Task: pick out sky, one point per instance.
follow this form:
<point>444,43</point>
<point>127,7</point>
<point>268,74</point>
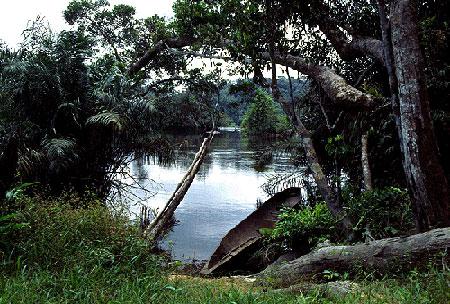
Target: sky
<point>15,14</point>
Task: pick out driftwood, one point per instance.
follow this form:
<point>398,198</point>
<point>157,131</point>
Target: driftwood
<point>162,221</point>
<point>246,235</point>
<point>381,256</point>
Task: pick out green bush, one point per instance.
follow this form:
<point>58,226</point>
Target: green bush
<point>380,213</point>
<point>310,224</point>
<point>283,123</point>
<point>375,214</point>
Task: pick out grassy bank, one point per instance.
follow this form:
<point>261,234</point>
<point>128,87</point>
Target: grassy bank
<point>61,251</point>
<point>101,285</point>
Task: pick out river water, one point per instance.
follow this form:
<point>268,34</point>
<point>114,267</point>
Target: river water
<point>224,192</point>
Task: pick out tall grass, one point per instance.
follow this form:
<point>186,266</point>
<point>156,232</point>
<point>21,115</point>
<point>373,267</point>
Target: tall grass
<point>100,285</point>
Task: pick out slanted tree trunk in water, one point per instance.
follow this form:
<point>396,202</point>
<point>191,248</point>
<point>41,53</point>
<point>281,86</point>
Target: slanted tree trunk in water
<point>163,220</point>
<point>392,254</point>
<point>367,173</point>
<point>425,176</point>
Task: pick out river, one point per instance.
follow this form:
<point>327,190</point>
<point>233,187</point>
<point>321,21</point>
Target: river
<point>224,192</point>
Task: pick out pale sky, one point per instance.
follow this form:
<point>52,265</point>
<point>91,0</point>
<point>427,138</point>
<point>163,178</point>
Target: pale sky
<point>14,14</point>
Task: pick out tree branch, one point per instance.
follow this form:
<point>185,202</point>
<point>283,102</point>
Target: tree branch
<point>333,85</point>
<point>160,46</point>
<point>348,50</point>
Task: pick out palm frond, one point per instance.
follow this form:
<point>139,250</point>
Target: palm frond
<point>30,161</point>
<point>60,152</point>
<point>106,119</point>
<point>281,181</point>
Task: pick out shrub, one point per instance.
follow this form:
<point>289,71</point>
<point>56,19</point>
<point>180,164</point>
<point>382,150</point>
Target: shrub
<point>380,213</point>
<point>375,214</point>
<point>310,224</point>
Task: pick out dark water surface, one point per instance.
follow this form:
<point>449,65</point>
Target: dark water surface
<point>224,192</point>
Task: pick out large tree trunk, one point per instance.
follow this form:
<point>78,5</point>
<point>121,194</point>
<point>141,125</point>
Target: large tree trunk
<point>381,256</point>
<point>425,177</point>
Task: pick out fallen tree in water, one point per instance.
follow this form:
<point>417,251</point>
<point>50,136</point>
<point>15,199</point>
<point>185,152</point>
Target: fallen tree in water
<point>164,219</point>
<point>380,256</point>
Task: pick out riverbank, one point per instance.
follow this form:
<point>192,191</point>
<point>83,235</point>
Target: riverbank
<point>72,250</point>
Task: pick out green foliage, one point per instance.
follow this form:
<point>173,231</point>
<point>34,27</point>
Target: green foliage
<point>380,213</point>
<point>376,214</point>
<point>18,192</point>
<point>74,110</point>
<point>372,90</point>
<point>9,224</point>
<point>61,153</point>
<point>336,147</point>
<point>236,97</point>
<point>226,121</point>
<point>181,112</point>
<point>310,224</point>
<point>283,123</point>
<point>261,118</point>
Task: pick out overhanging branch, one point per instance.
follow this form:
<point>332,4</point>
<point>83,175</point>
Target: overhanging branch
<point>335,86</point>
<point>160,46</point>
<point>348,49</point>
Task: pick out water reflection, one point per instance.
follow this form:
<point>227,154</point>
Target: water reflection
<point>224,192</point>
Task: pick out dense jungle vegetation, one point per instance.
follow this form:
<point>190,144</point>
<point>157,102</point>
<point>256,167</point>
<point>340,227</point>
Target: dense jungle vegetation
<point>358,96</point>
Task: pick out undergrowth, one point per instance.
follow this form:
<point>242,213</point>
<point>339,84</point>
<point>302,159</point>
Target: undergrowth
<point>376,214</point>
<point>59,252</point>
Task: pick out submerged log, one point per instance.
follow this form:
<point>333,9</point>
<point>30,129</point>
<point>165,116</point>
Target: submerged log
<point>381,256</point>
<point>243,238</point>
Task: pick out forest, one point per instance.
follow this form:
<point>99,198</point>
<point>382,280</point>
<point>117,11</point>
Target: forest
<point>337,112</point>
